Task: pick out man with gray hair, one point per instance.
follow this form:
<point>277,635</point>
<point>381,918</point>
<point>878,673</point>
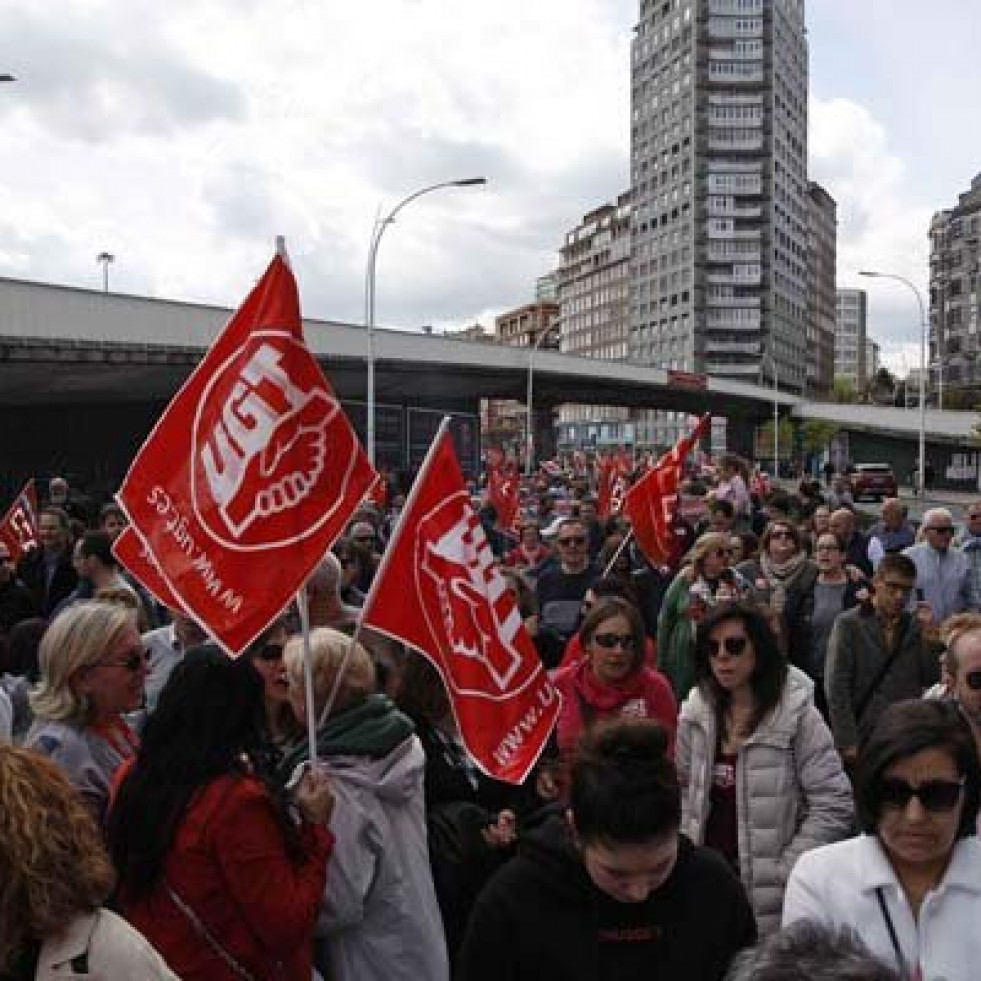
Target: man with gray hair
<point>943,572</point>
<point>327,608</point>
<point>807,951</point>
<point>962,662</point>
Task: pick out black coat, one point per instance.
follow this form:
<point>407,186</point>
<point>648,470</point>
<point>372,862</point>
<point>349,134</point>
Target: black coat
<point>16,604</point>
<point>46,596</point>
<point>541,917</point>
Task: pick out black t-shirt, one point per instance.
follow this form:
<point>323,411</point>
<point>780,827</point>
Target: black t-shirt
<point>626,939</point>
<point>24,965</point>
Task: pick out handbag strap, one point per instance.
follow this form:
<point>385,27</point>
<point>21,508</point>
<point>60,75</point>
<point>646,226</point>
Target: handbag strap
<point>897,645</point>
<point>205,934</point>
<point>897,950</point>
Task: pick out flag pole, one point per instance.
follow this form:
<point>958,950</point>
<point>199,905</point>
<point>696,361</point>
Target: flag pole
<point>616,554</point>
<point>386,557</point>
<point>304,608</point>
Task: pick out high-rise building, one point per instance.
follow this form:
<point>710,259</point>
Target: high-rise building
<point>718,279</point>
<point>851,327</point>
<point>822,258</point>
<point>955,268</point>
<point>873,360</point>
<point>593,270</point>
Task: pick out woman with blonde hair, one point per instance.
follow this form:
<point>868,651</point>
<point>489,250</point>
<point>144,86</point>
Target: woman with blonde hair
<point>380,920</point>
<point>54,877</point>
<point>93,670</point>
<point>705,580</point>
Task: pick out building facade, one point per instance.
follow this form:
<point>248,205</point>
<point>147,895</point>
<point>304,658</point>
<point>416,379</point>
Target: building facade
<point>593,315</point>
<point>719,235</point>
<point>851,327</point>
<point>955,266</point>
<point>873,359</point>
<point>822,259</point>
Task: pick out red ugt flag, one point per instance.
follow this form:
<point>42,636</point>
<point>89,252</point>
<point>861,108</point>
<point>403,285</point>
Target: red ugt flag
<point>439,590</point>
<point>651,502</point>
<point>18,530</point>
<point>251,473</point>
<point>502,490</point>
<point>134,556</point>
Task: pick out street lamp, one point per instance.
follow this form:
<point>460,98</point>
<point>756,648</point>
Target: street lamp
<point>529,414</point>
<point>776,416</point>
<point>369,289</point>
<point>7,78</point>
<point>921,468</point>
<point>105,258</point>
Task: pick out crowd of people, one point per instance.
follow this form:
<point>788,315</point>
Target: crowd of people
<point>766,756</point>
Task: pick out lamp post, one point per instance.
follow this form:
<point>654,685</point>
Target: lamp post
<point>7,78</point>
<point>369,290</point>
<point>921,466</point>
<point>105,258</point>
<point>776,417</point>
<point>529,413</point>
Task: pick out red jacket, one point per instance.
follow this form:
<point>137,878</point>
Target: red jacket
<point>229,865</point>
<point>586,699</point>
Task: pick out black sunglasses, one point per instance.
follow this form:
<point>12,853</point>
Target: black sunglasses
<point>734,646</point>
<point>973,679</point>
<point>936,796</point>
<point>942,529</point>
<point>270,652</point>
<point>609,641</point>
<point>573,540</point>
<point>132,662</point>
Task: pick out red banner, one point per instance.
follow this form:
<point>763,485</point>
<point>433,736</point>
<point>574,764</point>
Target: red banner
<point>652,502</point>
<point>251,473</point>
<point>18,530</point>
<point>440,591</point>
<point>503,493</point>
<point>135,557</point>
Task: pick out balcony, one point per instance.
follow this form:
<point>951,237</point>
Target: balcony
<point>715,321</point>
<point>733,347</point>
<point>730,279</point>
<point>750,369</point>
<point>733,302</point>
<point>749,145</point>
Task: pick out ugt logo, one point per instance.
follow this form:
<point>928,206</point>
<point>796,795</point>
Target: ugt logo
<point>473,616</point>
<point>263,447</point>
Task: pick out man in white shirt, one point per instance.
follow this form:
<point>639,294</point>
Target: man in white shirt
<point>165,646</point>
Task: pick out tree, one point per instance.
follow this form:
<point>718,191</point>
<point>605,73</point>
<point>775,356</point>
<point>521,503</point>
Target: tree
<point>843,390</point>
<point>764,441</point>
<point>816,435</point>
<point>882,388</point>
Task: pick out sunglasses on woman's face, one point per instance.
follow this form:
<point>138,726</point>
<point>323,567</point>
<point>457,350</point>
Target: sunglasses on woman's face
<point>132,662</point>
<point>936,796</point>
<point>734,646</point>
<point>609,641</point>
<point>973,679</point>
<point>271,652</point>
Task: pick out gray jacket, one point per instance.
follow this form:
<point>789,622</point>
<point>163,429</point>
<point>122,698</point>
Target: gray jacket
<point>791,792</point>
<point>946,579</point>
<point>857,651</point>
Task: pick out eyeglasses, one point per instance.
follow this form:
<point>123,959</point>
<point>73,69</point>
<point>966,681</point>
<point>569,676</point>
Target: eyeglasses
<point>781,533</point>
<point>270,652</point>
<point>942,529</point>
<point>936,796</point>
<point>973,679</point>
<point>734,646</point>
<point>721,553</point>
<point>827,548</point>
<point>573,540</point>
<point>132,662</point>
<point>609,641</point>
<point>363,538</point>
<point>5,559</point>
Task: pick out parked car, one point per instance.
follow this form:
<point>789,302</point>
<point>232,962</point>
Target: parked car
<point>874,480</point>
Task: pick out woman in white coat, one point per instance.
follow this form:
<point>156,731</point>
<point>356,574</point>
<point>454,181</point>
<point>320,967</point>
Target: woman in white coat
<point>761,780</point>
<point>911,885</point>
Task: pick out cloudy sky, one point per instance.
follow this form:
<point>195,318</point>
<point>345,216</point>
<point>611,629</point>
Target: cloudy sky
<point>182,137</point>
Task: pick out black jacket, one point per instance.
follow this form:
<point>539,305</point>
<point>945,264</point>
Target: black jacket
<point>47,596</point>
<point>541,918</point>
<point>16,604</point>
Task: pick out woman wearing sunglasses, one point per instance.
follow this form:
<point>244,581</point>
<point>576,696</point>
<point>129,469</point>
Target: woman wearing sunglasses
<point>761,780</point>
<point>911,884</point>
<point>266,655</point>
<point>611,680</point>
<point>93,670</point>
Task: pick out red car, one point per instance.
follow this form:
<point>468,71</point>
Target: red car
<point>875,480</point>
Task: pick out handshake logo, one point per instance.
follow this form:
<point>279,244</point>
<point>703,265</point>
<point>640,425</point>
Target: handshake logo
<point>263,441</point>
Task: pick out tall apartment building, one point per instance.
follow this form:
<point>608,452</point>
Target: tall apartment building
<point>718,279</point>
<point>593,286</point>
<point>851,333</point>
<point>822,258</point>
<point>873,358</point>
<point>955,267</point>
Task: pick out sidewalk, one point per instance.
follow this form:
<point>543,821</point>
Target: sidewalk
<point>939,497</point>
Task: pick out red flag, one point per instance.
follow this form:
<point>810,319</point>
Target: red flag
<point>134,556</point>
<point>379,493</point>
<point>251,473</point>
<point>440,591</point>
<point>502,491</point>
<point>652,502</point>
<point>18,530</point>
<point>604,491</point>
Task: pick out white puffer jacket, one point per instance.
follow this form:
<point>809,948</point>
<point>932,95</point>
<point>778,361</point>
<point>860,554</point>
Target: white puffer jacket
<point>791,791</point>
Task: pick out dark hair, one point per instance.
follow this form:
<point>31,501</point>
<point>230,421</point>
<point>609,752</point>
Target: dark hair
<point>751,544</point>
<point>624,785</point>
<point>724,507</point>
<point>23,642</point>
<point>780,500</point>
<point>906,728</point>
<point>111,510</point>
<point>898,564</point>
<point>769,674</point>
<point>607,586</point>
<point>97,545</point>
<point>606,609</point>
<point>422,694</point>
<point>208,723</point>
